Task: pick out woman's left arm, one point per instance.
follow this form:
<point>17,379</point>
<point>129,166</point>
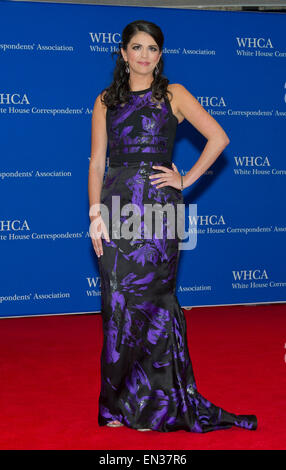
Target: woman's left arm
<point>217,139</point>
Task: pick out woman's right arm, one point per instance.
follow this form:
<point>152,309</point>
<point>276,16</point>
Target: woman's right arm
<point>97,163</point>
<point>98,152</point>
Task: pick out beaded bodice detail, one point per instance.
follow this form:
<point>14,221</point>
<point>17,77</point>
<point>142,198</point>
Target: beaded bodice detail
<point>142,128</point>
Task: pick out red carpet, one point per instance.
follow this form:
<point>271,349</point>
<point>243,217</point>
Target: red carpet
<point>50,381</point>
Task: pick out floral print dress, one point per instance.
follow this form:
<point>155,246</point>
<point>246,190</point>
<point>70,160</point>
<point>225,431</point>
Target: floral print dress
<point>147,379</point>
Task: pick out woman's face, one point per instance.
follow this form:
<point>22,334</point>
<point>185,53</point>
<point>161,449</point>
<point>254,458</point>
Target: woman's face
<point>142,53</point>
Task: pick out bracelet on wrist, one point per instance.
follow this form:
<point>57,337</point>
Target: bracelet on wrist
<point>182,182</point>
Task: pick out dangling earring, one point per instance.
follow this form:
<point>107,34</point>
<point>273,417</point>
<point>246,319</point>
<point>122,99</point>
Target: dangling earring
<point>127,67</point>
<point>156,71</point>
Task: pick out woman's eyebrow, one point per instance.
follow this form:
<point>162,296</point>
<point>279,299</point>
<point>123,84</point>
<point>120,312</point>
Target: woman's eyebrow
<point>138,43</point>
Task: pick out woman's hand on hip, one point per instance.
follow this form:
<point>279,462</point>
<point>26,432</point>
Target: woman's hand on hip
<point>168,178</point>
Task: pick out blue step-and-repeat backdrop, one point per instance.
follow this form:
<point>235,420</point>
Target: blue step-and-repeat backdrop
<point>55,59</point>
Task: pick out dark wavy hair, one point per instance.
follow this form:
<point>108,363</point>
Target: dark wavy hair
<point>119,90</point>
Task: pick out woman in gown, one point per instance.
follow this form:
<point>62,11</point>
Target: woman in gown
<point>147,379</point>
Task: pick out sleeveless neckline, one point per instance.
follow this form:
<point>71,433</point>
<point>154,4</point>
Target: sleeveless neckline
<point>143,130</point>
<point>140,91</point>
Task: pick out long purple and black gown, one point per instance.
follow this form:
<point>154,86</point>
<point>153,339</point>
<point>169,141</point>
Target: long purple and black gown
<point>147,379</point>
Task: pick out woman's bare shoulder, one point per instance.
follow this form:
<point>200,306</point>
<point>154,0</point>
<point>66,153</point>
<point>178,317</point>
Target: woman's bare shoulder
<point>99,105</point>
<point>177,88</point>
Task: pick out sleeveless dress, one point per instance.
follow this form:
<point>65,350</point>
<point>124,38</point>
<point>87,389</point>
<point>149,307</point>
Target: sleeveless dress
<point>147,379</point>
